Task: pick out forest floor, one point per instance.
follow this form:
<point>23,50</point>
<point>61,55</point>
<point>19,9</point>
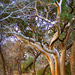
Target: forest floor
<point>38,67</point>
<point>30,72</point>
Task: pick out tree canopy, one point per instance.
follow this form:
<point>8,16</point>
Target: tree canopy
<point>46,25</point>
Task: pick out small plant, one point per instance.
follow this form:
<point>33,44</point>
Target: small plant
<point>68,71</point>
<point>30,58</point>
<point>43,58</point>
<point>48,69</point>
<point>25,64</point>
<point>0,63</point>
<point>48,74</point>
<point>10,65</point>
<point>28,70</point>
<point>40,72</point>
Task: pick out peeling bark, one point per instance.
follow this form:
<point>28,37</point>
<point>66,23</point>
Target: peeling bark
<point>62,61</point>
<point>72,59</point>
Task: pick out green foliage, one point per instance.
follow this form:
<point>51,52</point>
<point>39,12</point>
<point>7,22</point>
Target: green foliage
<point>65,14</point>
<point>24,23</point>
<point>72,34</point>
<point>10,65</point>
<point>51,33</point>
<point>40,8</point>
<point>7,35</point>
<point>62,35</point>
<point>68,71</point>
<point>32,74</point>
<point>3,15</point>
<point>63,4</point>
<point>28,70</point>
<point>11,19</point>
<point>48,69</point>
<point>30,58</point>
<point>40,72</point>
<point>48,74</point>
<point>27,63</point>
<point>36,64</point>
<point>43,58</point>
<point>5,1</point>
<point>51,1</point>
<point>6,60</point>
<point>58,0</point>
<point>27,33</point>
<point>0,63</point>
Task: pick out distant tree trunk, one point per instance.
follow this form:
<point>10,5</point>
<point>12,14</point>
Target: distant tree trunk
<point>45,69</point>
<point>3,62</point>
<point>72,59</point>
<point>19,67</point>
<point>34,63</point>
<point>2,58</point>
<point>27,67</point>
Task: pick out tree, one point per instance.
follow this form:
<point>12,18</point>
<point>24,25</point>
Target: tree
<point>72,61</point>
<point>1,54</point>
<point>2,58</point>
<point>34,21</point>
<point>13,54</point>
